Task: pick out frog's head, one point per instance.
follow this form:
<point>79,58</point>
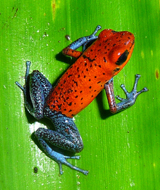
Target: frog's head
<point>118,48</point>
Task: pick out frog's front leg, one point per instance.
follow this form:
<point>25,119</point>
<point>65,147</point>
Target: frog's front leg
<point>84,41</point>
<point>36,88</point>
<point>125,103</point>
<point>65,136</point>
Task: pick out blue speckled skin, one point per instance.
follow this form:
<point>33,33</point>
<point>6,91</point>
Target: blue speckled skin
<point>66,135</point>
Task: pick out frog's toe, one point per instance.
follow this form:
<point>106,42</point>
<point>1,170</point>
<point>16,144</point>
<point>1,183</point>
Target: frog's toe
<point>62,160</point>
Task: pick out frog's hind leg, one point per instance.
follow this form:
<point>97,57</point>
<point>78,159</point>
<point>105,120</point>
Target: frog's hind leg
<point>66,137</point>
<point>60,158</point>
<point>36,89</point>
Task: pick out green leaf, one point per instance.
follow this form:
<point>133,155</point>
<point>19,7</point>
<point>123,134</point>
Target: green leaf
<point>121,151</point>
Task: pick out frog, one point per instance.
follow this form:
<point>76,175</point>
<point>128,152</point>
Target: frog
<point>102,57</point>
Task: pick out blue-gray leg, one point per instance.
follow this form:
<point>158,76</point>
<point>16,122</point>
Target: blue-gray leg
<point>65,136</point>
<point>84,42</point>
<point>125,103</point>
<point>60,158</point>
<point>36,88</point>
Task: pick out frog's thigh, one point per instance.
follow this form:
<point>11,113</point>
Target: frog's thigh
<point>65,136</point>
<point>58,140</point>
<point>40,83</point>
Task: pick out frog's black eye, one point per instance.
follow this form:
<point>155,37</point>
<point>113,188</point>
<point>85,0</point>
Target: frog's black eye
<point>122,58</point>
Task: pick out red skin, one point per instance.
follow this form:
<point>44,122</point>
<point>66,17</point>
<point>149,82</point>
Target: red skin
<point>84,80</point>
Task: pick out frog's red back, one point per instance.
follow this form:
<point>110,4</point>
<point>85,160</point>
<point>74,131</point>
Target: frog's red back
<point>83,81</point>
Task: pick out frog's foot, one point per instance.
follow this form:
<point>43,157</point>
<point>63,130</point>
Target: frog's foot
<point>96,30</point>
<point>59,157</point>
<point>28,63</point>
<point>130,96</point>
<point>91,38</point>
<point>62,160</point>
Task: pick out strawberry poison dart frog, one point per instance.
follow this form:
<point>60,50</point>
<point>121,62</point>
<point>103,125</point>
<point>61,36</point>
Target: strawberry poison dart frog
<point>102,58</point>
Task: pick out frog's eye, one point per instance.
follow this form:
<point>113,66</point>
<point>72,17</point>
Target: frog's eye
<point>122,58</point>
<point>118,55</point>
